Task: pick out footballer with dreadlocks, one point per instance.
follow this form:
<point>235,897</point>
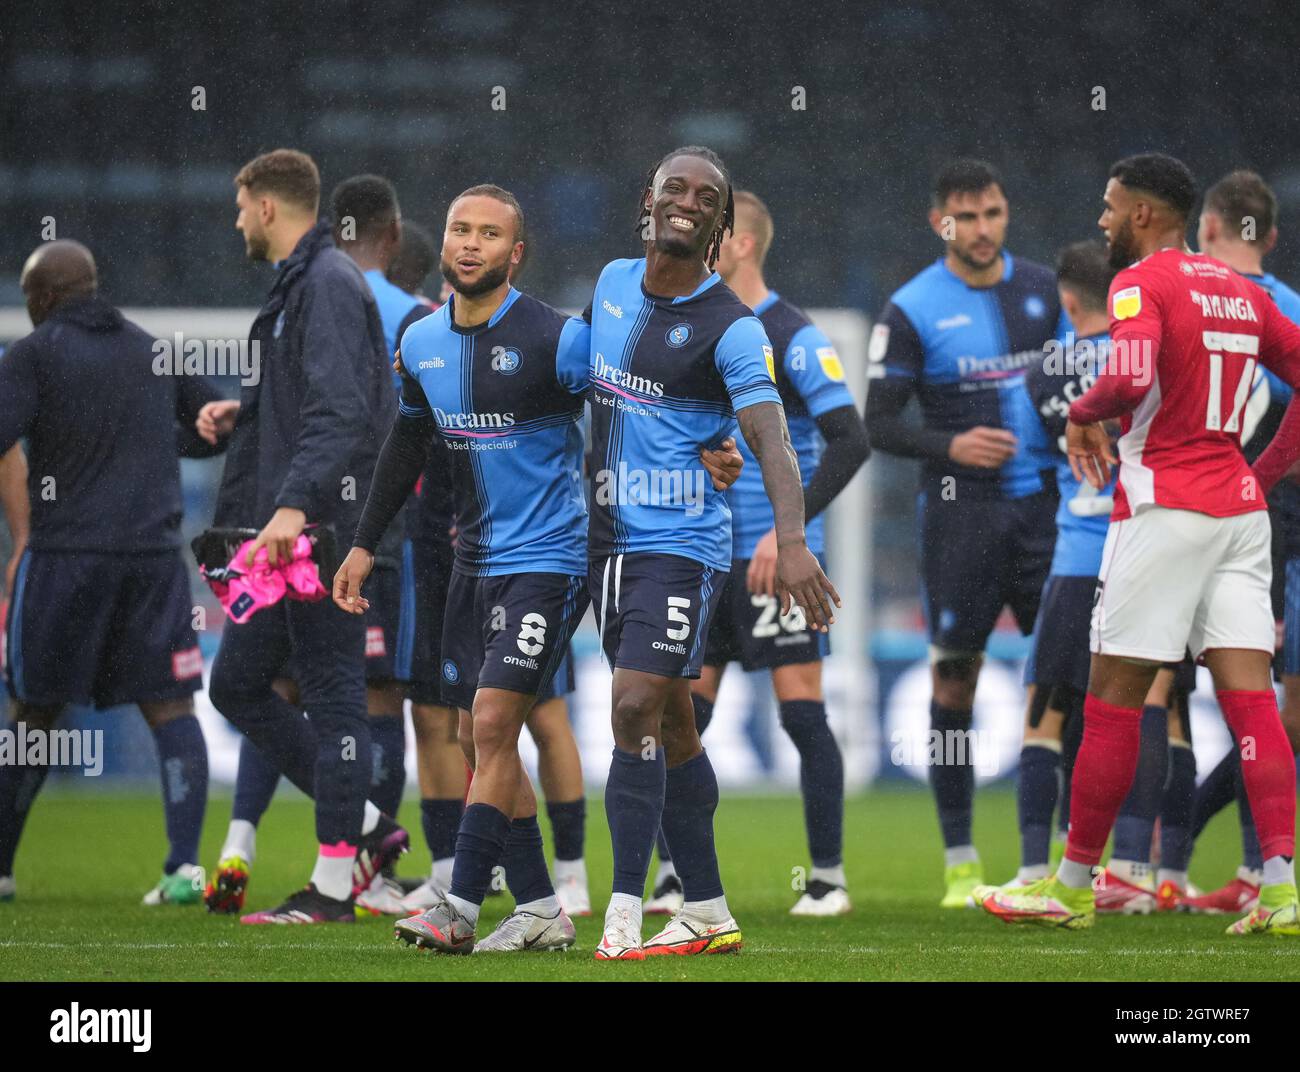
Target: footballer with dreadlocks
<point>676,361</point>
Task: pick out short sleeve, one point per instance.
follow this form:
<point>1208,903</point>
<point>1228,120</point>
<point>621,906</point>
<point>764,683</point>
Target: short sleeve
<point>813,367</point>
<point>573,355</point>
<point>744,360</point>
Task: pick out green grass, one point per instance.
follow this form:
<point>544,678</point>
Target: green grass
<point>87,859</point>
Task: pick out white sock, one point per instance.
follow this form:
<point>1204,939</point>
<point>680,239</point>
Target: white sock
<point>1250,874</point>
<point>961,854</point>
<point>714,910</point>
<point>832,876</point>
<point>468,909</point>
<point>1178,878</point>
<point>576,869</point>
<point>440,874</point>
<point>1033,874</point>
<point>241,840</point>
<point>332,876</point>
<point>666,871</point>
<point>369,818</point>
<point>1075,875</point>
<point>1135,872</point>
<point>1278,870</point>
<point>543,906</point>
<point>620,902</point>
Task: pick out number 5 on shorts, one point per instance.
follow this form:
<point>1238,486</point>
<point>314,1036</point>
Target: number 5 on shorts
<point>675,606</point>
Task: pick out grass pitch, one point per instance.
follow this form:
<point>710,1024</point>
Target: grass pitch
<point>87,859</point>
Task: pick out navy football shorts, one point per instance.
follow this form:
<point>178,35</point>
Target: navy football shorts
<point>654,611</point>
<point>1060,654</point>
<point>101,628</point>
<point>565,681</point>
<point>1290,654</point>
<point>428,560</point>
<point>978,556</point>
<point>389,624</point>
<point>508,632</point>
<point>750,629</point>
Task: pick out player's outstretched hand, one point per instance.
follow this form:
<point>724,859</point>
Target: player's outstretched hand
<point>349,579</point>
<point>278,537</point>
<point>761,578</point>
<point>723,463</point>
<point>799,579</point>
<point>1088,448</point>
<point>982,447</point>
<point>216,420</point>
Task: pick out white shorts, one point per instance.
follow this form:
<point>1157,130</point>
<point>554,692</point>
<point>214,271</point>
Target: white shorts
<point>1176,579</point>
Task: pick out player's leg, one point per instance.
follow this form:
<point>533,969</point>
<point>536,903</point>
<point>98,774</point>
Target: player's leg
<point>1172,887</point>
<point>442,772</point>
<point>1038,783</point>
<point>19,784</point>
<point>183,765</point>
<point>798,689</point>
<point>1127,884</point>
<point>1132,634</point>
<point>256,779</point>
<point>151,658</point>
<point>533,614</point>
<point>559,770</point>
<point>666,892</point>
<point>389,629</point>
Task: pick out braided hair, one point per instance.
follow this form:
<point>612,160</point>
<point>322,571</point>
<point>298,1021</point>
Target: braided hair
<point>725,225</point>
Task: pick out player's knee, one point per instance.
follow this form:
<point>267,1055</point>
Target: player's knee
<point>955,678</point>
<point>494,731</point>
<point>802,719</point>
<point>636,714</point>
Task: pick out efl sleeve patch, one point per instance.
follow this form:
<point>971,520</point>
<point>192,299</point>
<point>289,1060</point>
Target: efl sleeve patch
<point>879,344</point>
<point>830,363</point>
<point>771,363</point>
<point>1127,303</point>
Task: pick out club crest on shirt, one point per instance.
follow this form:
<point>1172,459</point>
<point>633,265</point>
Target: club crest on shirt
<point>506,360</point>
<point>678,335</point>
<point>1127,303</point>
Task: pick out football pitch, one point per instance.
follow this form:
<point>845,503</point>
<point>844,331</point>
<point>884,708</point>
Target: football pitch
<point>87,859</point>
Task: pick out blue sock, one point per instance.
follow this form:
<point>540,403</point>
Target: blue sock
<point>1176,810</point>
<point>1251,856</point>
<point>1137,815</point>
<point>440,819</point>
<point>255,780</point>
<point>953,784</point>
<point>387,762</point>
<point>1071,739</point>
<point>1215,793</point>
<point>690,799</point>
<point>634,804</point>
<point>821,779</point>
<point>661,846</point>
<point>183,761</point>
<point>18,788</point>
<point>703,713</point>
<point>480,845</point>
<point>1037,789</point>
<point>568,827</point>
<point>525,862</point>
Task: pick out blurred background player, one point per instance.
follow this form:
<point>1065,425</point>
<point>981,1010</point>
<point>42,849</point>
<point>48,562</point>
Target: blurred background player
<point>302,448</point>
<point>416,257</point>
<point>1189,525</point>
<point>959,337</point>
<point>1238,226</point>
<point>490,381</point>
<point>676,359</point>
<point>831,441</point>
<point>100,610</point>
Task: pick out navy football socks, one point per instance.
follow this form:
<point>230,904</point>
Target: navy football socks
<point>480,844</point>
<point>1137,815</point>
<point>388,762</point>
<point>821,778</point>
<point>953,784</point>
<point>634,804</point>
<point>183,764</point>
<point>690,799</point>
<point>1037,789</point>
